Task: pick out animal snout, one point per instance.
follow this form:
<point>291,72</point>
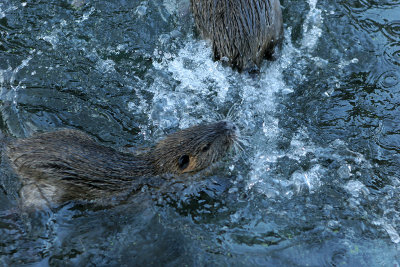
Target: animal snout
<point>230,126</point>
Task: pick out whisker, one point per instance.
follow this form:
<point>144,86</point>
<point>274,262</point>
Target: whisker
<point>244,143</point>
<point>242,154</point>
<point>244,137</point>
<point>238,145</point>
<point>234,150</point>
<point>230,111</point>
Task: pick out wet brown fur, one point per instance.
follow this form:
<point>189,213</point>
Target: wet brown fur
<point>64,165</point>
<point>243,31</point>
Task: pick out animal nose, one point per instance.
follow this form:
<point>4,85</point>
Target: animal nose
<point>230,126</point>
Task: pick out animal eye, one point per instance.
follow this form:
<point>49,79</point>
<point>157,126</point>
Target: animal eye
<point>206,147</point>
<point>183,162</point>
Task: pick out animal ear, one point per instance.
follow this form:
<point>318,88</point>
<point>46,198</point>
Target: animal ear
<point>183,162</point>
<point>206,147</point>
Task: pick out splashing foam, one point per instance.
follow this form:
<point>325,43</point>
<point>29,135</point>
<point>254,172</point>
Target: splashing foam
<point>196,72</point>
<point>4,10</point>
<point>202,87</point>
<point>391,231</point>
<point>8,76</point>
<point>196,87</point>
<point>312,26</point>
<point>262,101</point>
<point>105,66</point>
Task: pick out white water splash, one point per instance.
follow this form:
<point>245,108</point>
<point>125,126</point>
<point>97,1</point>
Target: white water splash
<point>310,179</point>
<point>9,75</point>
<point>141,9</point>
<point>51,38</point>
<point>356,188</point>
<point>177,6</point>
<point>312,26</point>
<point>203,85</point>
<point>10,93</point>
<point>262,102</point>
<point>196,71</point>
<point>105,66</point>
<point>391,231</point>
<point>86,15</point>
<point>4,10</point>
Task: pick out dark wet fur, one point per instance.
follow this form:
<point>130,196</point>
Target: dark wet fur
<point>243,31</point>
<point>68,164</point>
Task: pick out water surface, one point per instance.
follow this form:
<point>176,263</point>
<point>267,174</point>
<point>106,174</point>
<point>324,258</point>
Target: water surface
<point>317,184</point>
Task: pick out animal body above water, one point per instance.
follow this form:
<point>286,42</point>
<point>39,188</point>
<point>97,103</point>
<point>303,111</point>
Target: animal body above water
<point>65,165</point>
<point>242,31</point>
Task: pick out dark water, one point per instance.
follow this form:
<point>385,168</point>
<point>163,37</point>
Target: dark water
<point>318,183</point>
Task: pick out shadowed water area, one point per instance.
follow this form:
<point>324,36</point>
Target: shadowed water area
<point>318,183</point>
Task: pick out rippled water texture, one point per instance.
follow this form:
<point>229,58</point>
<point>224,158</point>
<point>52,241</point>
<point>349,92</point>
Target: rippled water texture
<point>318,183</point>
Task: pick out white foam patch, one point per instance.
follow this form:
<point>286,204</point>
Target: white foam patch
<point>105,65</point>
<point>196,71</point>
<point>261,102</point>
<point>86,15</point>
<point>301,181</point>
<point>52,38</point>
<point>4,10</point>
<point>356,188</point>
<point>310,179</point>
<point>141,10</point>
<point>391,231</point>
<point>312,26</point>
<point>8,76</point>
<point>177,7</point>
<point>262,98</point>
<point>204,85</point>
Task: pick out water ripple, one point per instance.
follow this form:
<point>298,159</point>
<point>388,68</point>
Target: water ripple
<point>389,79</point>
<point>392,53</point>
<point>392,30</point>
<point>356,7</point>
<point>369,25</point>
<point>384,2</point>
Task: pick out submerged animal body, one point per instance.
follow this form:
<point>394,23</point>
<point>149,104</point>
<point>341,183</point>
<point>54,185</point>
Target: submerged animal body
<point>65,165</point>
<point>242,31</point>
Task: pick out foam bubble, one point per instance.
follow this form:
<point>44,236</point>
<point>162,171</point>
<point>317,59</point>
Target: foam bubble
<point>309,179</point>
<point>356,188</point>
<point>260,102</point>
<point>312,26</point>
<point>4,11</point>
<point>52,38</point>
<point>391,231</point>
<point>105,65</point>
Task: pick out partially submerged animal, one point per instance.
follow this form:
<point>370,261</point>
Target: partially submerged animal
<point>241,31</point>
<point>68,164</point>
